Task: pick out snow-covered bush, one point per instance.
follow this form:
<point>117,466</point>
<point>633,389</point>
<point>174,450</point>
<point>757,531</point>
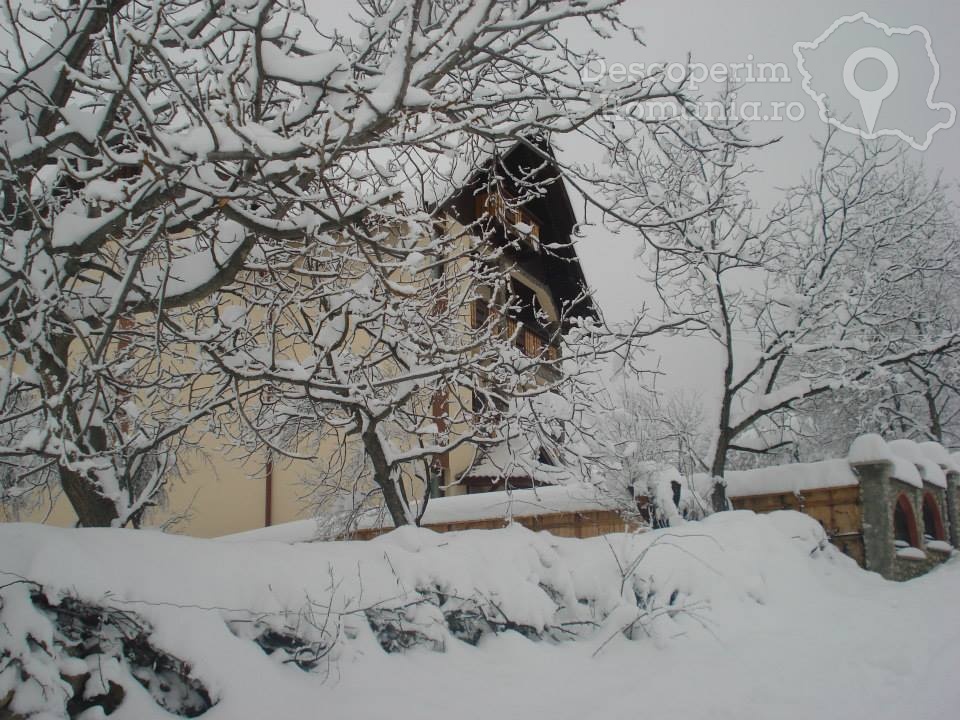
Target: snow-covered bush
<point>185,624</point>
<point>66,656</point>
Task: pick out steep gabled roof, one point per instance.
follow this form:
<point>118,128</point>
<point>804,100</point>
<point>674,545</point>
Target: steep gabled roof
<point>527,168</point>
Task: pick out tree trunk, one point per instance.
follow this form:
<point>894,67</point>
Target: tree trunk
<point>718,497</point>
<point>936,429</point>
<point>91,507</point>
<point>383,476</point>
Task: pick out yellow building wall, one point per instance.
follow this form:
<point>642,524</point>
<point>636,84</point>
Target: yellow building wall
<point>222,489</point>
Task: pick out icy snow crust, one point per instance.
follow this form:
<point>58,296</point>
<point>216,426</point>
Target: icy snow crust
<point>738,616</point>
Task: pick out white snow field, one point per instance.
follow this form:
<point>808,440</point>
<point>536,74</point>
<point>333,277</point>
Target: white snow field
<point>738,616</point>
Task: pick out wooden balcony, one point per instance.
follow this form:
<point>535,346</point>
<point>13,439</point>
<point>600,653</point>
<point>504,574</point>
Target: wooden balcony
<point>530,342</point>
<point>517,222</point>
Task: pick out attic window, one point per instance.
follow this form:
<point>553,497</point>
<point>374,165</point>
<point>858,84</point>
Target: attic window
<point>482,400</point>
<point>517,221</point>
<point>477,404</point>
<point>544,458</point>
<point>526,305</point>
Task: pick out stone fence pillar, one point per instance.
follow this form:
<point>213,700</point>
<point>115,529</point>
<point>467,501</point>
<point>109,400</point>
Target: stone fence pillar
<point>953,507</point>
<point>875,504</point>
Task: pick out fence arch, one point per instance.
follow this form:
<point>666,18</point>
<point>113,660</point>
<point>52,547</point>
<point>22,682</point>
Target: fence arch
<point>905,523</point>
<point>932,520</point>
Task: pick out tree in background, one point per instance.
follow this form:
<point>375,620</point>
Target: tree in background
<point>834,289</point>
<point>645,444</point>
<point>919,400</point>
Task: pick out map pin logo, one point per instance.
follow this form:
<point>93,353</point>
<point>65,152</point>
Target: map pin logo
<point>871,100</point>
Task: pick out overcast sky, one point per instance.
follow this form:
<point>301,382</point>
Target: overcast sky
<point>730,32</point>
<point>765,31</point>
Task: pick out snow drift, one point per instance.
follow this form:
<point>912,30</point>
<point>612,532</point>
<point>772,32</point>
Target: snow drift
<point>250,627</point>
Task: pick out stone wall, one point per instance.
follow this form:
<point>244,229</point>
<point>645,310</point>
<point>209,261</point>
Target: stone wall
<point>880,493</point>
<point>953,508</point>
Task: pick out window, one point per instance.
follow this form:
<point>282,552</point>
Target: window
<point>481,313</point>
<point>520,339</point>
<point>435,482</point>
<point>516,220</point>
<point>477,404</point>
<point>544,458</point>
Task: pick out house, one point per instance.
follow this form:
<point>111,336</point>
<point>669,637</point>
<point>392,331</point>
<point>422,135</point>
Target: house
<point>226,489</point>
<point>533,240</point>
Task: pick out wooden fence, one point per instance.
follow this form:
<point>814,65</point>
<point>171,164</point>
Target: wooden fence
<point>836,508</point>
<point>583,524</point>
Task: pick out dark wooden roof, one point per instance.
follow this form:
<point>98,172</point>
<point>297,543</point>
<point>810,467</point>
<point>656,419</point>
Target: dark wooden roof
<point>527,169</point>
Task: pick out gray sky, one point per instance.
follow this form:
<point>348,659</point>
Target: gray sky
<point>713,32</point>
<point>728,33</point>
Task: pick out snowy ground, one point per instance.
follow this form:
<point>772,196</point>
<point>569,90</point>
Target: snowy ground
<point>764,622</point>
<point>849,646</point>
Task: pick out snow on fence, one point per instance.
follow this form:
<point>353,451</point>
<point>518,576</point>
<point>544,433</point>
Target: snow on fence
<point>565,510</point>
<point>894,507</point>
<point>578,510</point>
<point>828,491</point>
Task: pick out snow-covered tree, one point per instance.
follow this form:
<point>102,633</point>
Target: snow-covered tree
<point>646,444</point>
<point>919,399</point>
<point>202,203</point>
<point>829,290</point>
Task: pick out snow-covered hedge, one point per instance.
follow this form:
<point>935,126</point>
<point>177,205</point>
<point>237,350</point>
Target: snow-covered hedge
<point>186,624</point>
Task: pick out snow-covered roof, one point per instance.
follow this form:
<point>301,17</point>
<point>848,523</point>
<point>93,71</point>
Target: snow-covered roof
<point>517,458</point>
<point>939,454</point>
<point>913,463</point>
<point>508,459</point>
<point>906,471</point>
<point>796,477</point>
<point>289,532</point>
<point>580,497</point>
<point>928,469</point>
<point>459,508</point>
